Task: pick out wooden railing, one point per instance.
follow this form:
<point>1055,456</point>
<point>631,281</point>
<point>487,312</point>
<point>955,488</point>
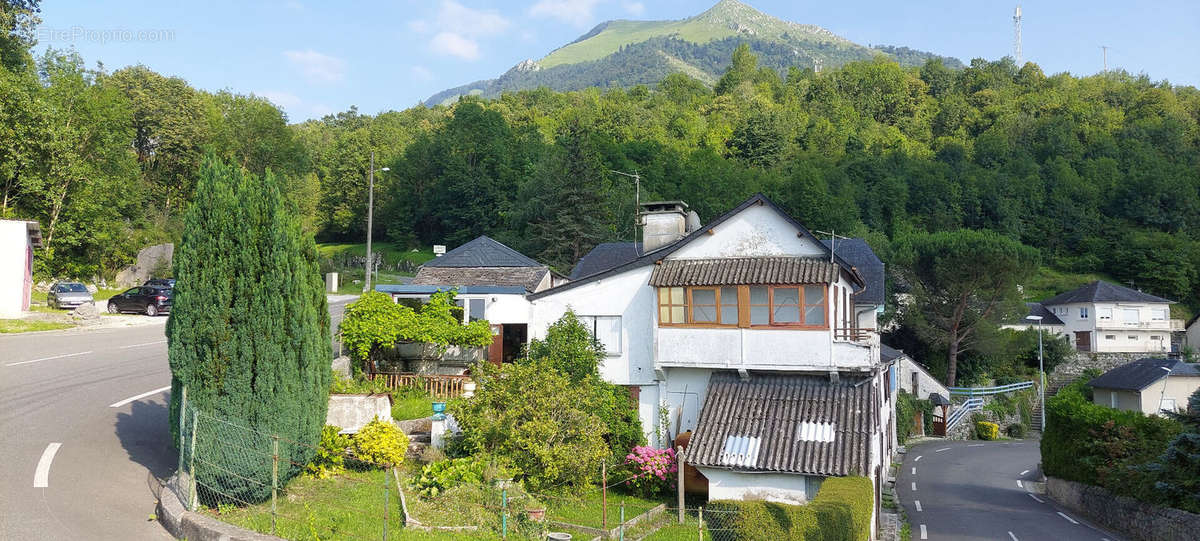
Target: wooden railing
<point>437,385</point>
<point>853,334</point>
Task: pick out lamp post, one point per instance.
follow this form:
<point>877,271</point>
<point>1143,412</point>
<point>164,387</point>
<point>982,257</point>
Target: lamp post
<point>1163,394</point>
<point>370,219</point>
<point>1041,369</point>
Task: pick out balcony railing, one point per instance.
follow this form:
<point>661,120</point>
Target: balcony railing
<point>1159,325</point>
<point>437,385</point>
<point>853,334</point>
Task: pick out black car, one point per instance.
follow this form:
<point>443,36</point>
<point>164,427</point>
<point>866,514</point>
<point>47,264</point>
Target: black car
<point>150,300</point>
<point>161,282</point>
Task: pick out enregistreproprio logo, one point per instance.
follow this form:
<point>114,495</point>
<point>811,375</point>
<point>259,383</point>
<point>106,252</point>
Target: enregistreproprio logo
<point>103,35</point>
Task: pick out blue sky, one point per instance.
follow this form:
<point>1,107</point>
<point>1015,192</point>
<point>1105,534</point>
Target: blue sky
<point>313,58</point>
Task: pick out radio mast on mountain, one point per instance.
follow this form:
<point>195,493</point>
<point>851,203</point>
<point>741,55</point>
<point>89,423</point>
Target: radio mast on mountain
<point>1017,35</point>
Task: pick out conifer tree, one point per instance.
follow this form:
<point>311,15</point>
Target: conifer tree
<point>249,330</point>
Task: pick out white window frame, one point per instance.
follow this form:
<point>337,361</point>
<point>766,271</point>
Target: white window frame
<point>592,323</point>
<point>1110,337</point>
<point>1158,314</point>
<point>1165,401</point>
<point>1112,399</point>
<point>1135,320</point>
<point>1104,313</point>
<point>1083,312</point>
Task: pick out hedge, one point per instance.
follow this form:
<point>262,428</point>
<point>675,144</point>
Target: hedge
<point>1097,445</point>
<point>840,512</point>
<point>907,405</point>
<point>985,430</point>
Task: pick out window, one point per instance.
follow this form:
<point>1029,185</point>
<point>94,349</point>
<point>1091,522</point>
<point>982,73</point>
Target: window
<point>760,305</point>
<point>1155,337</point>
<point>1110,337</point>
<point>1083,313</point>
<point>1104,313</point>
<point>1112,399</point>
<point>714,305</point>
<point>475,311</point>
<point>1131,315</point>
<point>607,330</point>
<point>1133,337</point>
<point>785,306</point>
<point>672,306</point>
<point>814,305</point>
<point>1166,404</point>
<point>1158,314</point>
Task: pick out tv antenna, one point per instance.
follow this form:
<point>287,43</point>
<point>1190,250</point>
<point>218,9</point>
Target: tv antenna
<point>1017,35</point>
<point>1104,52</point>
<point>833,238</point>
<point>637,202</point>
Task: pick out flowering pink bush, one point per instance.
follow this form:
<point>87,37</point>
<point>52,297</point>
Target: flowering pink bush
<point>651,470</point>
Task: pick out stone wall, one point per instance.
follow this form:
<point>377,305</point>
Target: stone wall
<point>1138,520</point>
<point>1067,372</point>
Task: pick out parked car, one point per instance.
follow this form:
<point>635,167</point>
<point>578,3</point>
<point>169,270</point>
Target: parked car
<point>149,300</point>
<point>68,295</point>
<point>161,282</point>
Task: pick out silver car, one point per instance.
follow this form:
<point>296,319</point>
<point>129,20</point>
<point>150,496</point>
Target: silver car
<point>68,295</point>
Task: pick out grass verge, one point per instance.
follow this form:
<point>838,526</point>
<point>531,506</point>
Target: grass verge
<point>411,407</point>
<point>587,509</point>
<point>22,325</point>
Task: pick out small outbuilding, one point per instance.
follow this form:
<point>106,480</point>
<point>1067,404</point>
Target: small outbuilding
<point>1147,385</point>
<point>18,238</point>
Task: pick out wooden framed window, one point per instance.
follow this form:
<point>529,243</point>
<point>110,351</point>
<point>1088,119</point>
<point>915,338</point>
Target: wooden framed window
<point>760,305</point>
<point>713,306</point>
<point>672,306</point>
<point>814,306</point>
<point>785,305</point>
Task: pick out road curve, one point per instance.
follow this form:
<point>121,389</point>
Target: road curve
<point>968,490</point>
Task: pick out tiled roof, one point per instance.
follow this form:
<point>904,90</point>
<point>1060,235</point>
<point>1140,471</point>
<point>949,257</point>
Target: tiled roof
<point>785,423</point>
<point>527,277</point>
<point>483,252</point>
<point>1142,373</point>
<point>605,256</point>
<point>859,254</point>
<point>1102,292</point>
<point>742,271</point>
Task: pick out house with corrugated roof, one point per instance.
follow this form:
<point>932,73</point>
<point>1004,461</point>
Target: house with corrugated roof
<point>492,281</point>
<point>748,337</point>
<point>1151,386</point>
<point>1106,318</point>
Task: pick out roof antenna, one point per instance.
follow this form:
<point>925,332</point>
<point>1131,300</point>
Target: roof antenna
<point>833,237</point>
<point>637,204</point>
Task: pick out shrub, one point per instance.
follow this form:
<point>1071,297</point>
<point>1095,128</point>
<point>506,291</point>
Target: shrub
<point>652,470</point>
<point>841,511</point>
<point>907,406</point>
<point>380,443</point>
<point>437,477</point>
<point>985,430</point>
<point>375,321</point>
<point>330,458</point>
<point>1016,430</point>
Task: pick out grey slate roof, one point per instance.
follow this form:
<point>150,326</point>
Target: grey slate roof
<point>526,277</point>
<point>859,254</point>
<point>1142,373</point>
<point>662,253</point>
<point>604,256</point>
<point>743,271</point>
<point>785,423</point>
<point>1039,309</point>
<point>888,353</point>
<point>1102,292</point>
<point>483,251</point>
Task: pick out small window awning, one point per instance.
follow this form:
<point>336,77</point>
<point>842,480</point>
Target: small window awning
<point>743,271</point>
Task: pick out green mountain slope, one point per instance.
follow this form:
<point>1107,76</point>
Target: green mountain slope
<point>626,53</point>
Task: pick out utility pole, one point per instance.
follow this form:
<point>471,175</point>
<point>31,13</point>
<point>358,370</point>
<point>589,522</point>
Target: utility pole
<point>1017,35</point>
<point>370,221</point>
<point>1104,52</point>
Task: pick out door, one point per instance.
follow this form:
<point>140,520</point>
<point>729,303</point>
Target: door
<point>939,421</point>
<point>1083,340</point>
<point>496,349</point>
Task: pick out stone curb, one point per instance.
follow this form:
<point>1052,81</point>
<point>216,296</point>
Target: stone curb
<point>184,524</point>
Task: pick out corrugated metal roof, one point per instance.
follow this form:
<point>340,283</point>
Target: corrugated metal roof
<point>527,277</point>
<point>742,271</point>
<point>785,423</point>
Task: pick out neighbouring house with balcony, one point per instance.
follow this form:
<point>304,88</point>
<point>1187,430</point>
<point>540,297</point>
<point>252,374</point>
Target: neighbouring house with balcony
<point>748,332</point>
<point>492,281</point>
<point>1107,318</point>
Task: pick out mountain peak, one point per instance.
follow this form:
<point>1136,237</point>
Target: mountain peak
<point>740,18</point>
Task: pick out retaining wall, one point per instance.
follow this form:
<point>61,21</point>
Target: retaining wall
<point>1138,520</point>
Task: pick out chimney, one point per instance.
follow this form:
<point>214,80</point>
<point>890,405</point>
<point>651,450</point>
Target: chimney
<point>663,223</point>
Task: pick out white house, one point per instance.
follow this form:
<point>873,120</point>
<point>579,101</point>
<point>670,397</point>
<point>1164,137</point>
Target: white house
<point>492,281</point>
<point>702,321</point>
<point>18,238</point>
<point>913,378</point>
<point>1150,386</point>
<point>1108,318</point>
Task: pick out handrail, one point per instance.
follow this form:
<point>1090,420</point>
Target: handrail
<point>980,391</point>
<point>974,404</point>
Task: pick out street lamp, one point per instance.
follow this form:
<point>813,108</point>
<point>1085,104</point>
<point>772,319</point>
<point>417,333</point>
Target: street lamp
<point>1041,370</point>
<point>370,219</point>
<point>1163,394</point>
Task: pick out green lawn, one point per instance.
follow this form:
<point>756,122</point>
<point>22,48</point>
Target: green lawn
<point>411,407</point>
<point>391,254</point>
<point>585,510</point>
<point>21,325</point>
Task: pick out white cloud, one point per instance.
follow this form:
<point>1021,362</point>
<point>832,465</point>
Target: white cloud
<point>421,73</point>
<point>455,45</point>
<point>576,12</point>
<point>635,8</point>
<point>316,67</point>
<point>285,100</point>
<point>472,22</point>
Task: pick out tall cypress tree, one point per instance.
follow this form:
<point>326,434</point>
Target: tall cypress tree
<point>249,330</point>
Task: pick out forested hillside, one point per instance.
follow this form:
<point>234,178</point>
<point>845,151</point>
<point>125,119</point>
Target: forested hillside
<point>1099,174</point>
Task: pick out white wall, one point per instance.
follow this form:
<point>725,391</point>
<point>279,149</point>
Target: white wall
<point>756,231</point>
<point>1144,327</point>
<point>786,488</point>
<point>926,383</point>
<point>14,241</point>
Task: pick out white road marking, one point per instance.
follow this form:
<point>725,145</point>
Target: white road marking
<point>139,397</point>
<point>914,470</point>
<point>1037,499</point>
<point>140,345</point>
<point>1024,472</point>
<point>41,476</point>
<point>1019,485</point>
<point>918,459</point>
<point>924,535</point>
<point>914,486</point>
<point>942,449</point>
<point>975,445</point>
<point>50,358</point>
<point>1061,514</point>
<point>1014,538</point>
<point>918,504</point>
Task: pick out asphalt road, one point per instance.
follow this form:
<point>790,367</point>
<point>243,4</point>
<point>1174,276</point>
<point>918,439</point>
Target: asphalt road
<point>965,490</point>
<point>83,432</point>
